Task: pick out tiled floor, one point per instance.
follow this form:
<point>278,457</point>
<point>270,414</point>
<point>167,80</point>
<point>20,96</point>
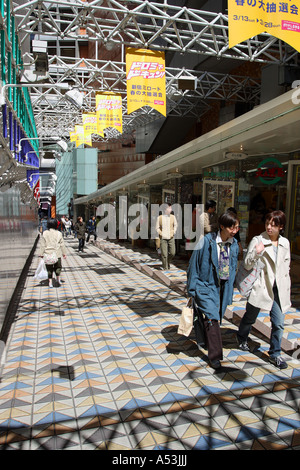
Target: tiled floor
<point>97,364</point>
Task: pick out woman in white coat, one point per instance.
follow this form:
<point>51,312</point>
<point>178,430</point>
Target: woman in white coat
<point>52,242</point>
<point>272,290</point>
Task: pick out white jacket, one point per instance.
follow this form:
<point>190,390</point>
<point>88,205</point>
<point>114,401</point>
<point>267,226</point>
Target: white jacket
<point>274,270</point>
<point>52,241</point>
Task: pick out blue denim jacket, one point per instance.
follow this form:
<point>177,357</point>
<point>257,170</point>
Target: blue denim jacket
<point>203,283</point>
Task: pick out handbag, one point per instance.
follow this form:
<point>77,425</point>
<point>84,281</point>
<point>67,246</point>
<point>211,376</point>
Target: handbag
<point>186,319</point>
<point>245,278</point>
<point>50,258</point>
<point>41,272</point>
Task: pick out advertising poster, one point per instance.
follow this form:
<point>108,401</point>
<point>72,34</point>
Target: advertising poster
<point>81,138</point>
<point>36,192</point>
<point>248,18</point>
<point>108,111</point>
<point>73,136</point>
<point>146,80</point>
<point>89,122</point>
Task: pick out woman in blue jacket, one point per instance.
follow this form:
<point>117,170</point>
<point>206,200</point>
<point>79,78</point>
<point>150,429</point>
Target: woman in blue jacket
<point>210,279</point>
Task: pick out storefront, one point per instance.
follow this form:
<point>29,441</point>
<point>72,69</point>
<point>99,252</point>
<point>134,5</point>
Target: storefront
<point>256,186</point>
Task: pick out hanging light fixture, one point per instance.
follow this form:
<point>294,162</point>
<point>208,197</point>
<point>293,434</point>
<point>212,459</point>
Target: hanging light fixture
<point>143,185</point>
<point>174,174</point>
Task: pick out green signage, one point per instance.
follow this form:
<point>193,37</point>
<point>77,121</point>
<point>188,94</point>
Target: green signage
<point>270,171</point>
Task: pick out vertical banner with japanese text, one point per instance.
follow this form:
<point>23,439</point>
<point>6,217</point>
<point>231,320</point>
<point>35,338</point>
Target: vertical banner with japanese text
<point>89,122</point>
<point>108,111</point>
<point>81,138</point>
<point>146,80</point>
<point>248,18</point>
<point>72,136</point>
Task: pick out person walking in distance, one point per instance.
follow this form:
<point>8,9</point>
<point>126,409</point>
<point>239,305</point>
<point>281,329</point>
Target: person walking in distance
<point>271,291</point>
<point>52,242</point>
<point>166,227</point>
<point>210,279</point>
<point>208,218</point>
<point>80,229</point>
<point>91,227</point>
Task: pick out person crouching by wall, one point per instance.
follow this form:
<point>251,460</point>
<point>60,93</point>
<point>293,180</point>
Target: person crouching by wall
<point>52,242</point>
<point>210,278</point>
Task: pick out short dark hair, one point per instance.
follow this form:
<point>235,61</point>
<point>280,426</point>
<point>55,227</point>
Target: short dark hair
<point>209,204</point>
<point>231,209</point>
<point>52,223</point>
<point>278,217</point>
<point>228,219</point>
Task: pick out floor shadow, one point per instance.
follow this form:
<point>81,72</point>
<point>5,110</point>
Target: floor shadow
<point>107,270</point>
<point>188,346</point>
<point>180,344</point>
<point>65,372</point>
<point>150,307</point>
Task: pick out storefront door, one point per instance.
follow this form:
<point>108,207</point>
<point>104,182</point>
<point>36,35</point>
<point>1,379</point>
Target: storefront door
<point>222,192</point>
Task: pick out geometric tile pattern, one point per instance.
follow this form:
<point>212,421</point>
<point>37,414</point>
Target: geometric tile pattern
<point>176,277</point>
<point>97,363</point>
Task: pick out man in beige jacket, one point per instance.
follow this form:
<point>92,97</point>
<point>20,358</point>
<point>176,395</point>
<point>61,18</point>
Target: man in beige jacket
<point>209,219</point>
<point>166,227</point>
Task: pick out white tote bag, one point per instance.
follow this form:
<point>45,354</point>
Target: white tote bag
<point>41,272</point>
<point>186,319</point>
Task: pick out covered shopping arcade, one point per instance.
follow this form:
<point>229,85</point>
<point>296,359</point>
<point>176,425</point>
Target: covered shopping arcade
<point>97,363</point>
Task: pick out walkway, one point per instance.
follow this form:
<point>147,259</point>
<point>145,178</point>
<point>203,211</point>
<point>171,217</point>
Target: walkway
<point>97,364</point>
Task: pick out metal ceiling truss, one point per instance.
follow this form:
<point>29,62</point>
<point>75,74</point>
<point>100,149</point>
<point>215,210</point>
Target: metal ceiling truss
<point>12,173</point>
<point>91,76</point>
<point>140,24</point>
<point>147,24</point>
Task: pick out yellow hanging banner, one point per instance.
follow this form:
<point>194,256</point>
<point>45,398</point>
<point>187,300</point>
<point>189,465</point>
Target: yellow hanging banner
<point>146,80</point>
<point>89,122</point>
<point>81,138</point>
<point>108,111</point>
<point>73,136</point>
<point>248,18</point>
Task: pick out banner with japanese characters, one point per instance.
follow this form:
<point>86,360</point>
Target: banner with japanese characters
<point>248,18</point>
<point>89,122</point>
<point>81,138</point>
<point>146,79</point>
<point>72,136</point>
<point>36,192</point>
<point>108,111</point>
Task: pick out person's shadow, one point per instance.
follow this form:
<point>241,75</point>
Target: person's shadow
<point>188,346</point>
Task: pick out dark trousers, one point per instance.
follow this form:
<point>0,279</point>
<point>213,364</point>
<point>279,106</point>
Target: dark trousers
<point>89,234</point>
<point>277,322</point>
<point>213,340</point>
<point>212,332</point>
<point>54,268</point>
<point>81,244</point>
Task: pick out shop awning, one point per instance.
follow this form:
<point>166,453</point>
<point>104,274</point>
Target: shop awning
<point>270,128</point>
